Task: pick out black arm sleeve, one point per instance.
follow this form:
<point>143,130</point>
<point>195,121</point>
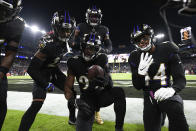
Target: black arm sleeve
<point>137,80</point>
<point>34,70</point>
<point>177,72</point>
<point>107,41</point>
<point>76,39</point>
<point>108,45</point>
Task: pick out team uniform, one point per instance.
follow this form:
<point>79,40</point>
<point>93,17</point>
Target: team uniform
<point>96,98</point>
<point>43,74</point>
<point>101,30</point>
<point>9,32</point>
<point>166,63</point>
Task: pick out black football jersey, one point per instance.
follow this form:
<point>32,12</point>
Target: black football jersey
<point>53,48</point>
<point>11,31</point>
<point>79,68</point>
<point>166,64</point>
<point>85,28</point>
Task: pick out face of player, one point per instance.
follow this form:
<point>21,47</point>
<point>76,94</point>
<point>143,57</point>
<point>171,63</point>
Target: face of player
<point>94,18</point>
<point>144,42</point>
<point>89,51</point>
<point>64,33</point>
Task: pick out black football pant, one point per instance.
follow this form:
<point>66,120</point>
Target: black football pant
<point>153,113</point>
<point>103,99</point>
<point>3,100</point>
<point>56,77</point>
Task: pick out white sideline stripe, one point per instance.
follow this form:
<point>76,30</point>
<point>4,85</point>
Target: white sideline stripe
<point>55,104</point>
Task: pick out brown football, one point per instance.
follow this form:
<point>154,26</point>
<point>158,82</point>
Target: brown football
<point>95,70</point>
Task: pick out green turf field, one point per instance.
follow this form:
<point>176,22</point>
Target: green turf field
<point>115,76</point>
<point>45,122</point>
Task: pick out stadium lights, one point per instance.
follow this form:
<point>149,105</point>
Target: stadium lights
<point>160,36</point>
<point>35,29</point>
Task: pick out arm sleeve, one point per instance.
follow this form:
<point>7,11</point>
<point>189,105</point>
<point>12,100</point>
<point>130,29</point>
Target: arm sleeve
<point>177,72</point>
<point>137,80</point>
<point>34,70</point>
<point>70,63</point>
<point>15,29</point>
<point>76,38</point>
<point>108,42</point>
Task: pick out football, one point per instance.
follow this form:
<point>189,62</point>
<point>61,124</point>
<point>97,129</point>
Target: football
<point>95,70</point>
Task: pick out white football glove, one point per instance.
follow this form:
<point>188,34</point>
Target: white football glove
<point>145,62</point>
<point>164,93</point>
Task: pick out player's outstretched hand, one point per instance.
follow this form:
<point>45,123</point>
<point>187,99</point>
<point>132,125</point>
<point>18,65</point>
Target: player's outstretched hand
<point>145,62</point>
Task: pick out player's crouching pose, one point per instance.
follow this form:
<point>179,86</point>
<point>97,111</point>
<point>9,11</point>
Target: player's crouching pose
<point>152,67</point>
<point>97,91</point>
<point>44,68</point>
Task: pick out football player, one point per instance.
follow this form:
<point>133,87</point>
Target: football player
<point>97,92</point>
<point>93,24</point>
<point>11,28</point>
<point>44,68</point>
<point>152,67</point>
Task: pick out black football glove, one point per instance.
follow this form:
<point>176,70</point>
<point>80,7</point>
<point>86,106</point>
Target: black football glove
<point>99,82</point>
<point>82,106</point>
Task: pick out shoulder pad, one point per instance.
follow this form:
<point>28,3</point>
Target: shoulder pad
<point>170,46</point>
<point>46,39</point>
<point>102,59</point>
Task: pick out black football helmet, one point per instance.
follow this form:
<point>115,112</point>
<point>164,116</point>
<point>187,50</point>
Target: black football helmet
<point>93,16</point>
<point>143,37</point>
<point>90,46</point>
<point>9,9</point>
<point>63,25</point>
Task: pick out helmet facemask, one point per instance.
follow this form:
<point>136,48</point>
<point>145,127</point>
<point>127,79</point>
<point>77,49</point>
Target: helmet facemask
<point>93,16</point>
<point>63,26</point>
<point>144,43</point>
<point>90,48</point>
<point>143,37</point>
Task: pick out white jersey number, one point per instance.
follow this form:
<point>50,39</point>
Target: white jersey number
<point>160,75</point>
<point>84,80</point>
